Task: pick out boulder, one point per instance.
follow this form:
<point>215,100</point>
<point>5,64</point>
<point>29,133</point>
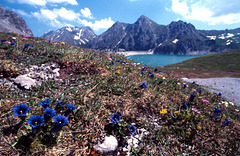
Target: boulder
<point>25,81</point>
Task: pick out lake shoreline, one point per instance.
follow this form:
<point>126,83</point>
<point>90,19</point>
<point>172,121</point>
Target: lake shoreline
<point>128,53</point>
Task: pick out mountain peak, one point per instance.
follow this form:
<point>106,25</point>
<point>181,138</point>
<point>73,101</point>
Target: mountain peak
<point>144,20</point>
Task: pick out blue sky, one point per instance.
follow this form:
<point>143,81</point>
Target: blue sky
<point>42,15</point>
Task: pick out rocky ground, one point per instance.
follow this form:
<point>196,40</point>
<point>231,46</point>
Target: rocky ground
<point>229,87</point>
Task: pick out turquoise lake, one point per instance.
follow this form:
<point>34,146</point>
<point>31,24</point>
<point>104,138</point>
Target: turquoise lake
<point>154,60</point>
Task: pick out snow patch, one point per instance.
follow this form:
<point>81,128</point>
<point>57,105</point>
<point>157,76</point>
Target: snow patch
<point>222,36</point>
<point>212,37</point>
<point>58,36</point>
<point>229,42</point>
<point>69,29</point>
<point>229,35</point>
<point>159,44</point>
<point>175,41</point>
<point>76,37</point>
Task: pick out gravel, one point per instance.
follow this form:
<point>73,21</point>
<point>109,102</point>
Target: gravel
<point>229,87</point>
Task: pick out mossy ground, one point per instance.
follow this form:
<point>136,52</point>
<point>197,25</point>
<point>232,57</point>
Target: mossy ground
<point>98,90</point>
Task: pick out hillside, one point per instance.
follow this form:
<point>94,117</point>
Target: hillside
<point>104,99</point>
<point>216,65</point>
<point>11,22</point>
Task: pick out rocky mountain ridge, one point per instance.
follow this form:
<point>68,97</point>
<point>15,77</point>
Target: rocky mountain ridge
<point>146,35</point>
<point>77,36</point>
<point>11,22</point>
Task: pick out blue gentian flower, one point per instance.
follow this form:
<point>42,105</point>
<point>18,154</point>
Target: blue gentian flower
<point>216,112</point>
<point>60,122</point>
<point>219,94</point>
<point>21,110</point>
<point>70,109</point>
<point>95,53</point>
<point>112,63</point>
<point>143,85</point>
<point>191,98</point>
<point>118,60</point>
<point>132,129</point>
<point>193,82</point>
<point>3,41</point>
<point>184,106</point>
<point>184,85</point>
<point>26,46</point>
<point>35,121</point>
<point>156,70</point>
<point>144,68</point>
<point>199,91</point>
<point>115,118</point>
<point>45,103</point>
<point>142,72</point>
<point>49,113</point>
<point>60,103</point>
<point>226,122</point>
<point>13,43</point>
<point>152,75</point>
<point>149,73</point>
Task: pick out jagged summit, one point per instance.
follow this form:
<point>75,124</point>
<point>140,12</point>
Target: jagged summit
<point>73,35</point>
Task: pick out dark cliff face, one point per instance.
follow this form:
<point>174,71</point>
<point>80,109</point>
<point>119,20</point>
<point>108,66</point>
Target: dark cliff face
<point>11,22</point>
<point>77,36</point>
<point>111,38</point>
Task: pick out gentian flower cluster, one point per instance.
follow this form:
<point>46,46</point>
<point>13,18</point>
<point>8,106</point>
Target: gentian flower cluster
<point>36,121</point>
<point>115,118</point>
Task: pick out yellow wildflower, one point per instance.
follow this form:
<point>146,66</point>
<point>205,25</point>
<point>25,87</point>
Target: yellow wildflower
<point>187,116</point>
<point>176,112</point>
<point>166,127</point>
<point>199,127</point>
<point>188,133</point>
<point>177,67</point>
<point>163,111</point>
<point>118,72</point>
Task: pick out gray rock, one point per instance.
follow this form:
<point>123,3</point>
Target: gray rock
<point>25,81</point>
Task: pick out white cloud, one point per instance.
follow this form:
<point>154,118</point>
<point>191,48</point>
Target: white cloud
<point>210,11</point>
<point>86,13</point>
<point>44,2</point>
<point>66,14</point>
<point>21,12</point>
<point>101,24</point>
<point>62,13</point>
<point>179,7</point>
<point>32,2</point>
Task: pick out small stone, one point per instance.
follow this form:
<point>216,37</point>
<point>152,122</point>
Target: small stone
<point>110,144</point>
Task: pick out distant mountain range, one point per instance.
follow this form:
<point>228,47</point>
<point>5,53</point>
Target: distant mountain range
<point>146,35</point>
<point>143,35</point>
<point>72,35</point>
<point>11,22</point>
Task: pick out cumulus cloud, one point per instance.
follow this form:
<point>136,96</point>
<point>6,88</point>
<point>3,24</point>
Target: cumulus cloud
<point>179,7</point>
<point>66,14</point>
<point>211,11</point>
<point>86,13</point>
<point>98,24</point>
<point>44,2</point>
